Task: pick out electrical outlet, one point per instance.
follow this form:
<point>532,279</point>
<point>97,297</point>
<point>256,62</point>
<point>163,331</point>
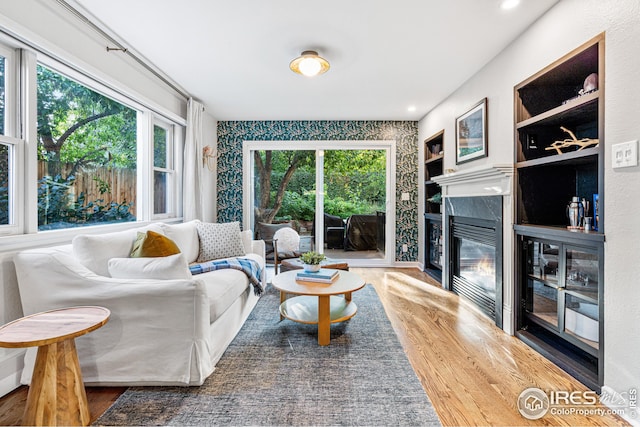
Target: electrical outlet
<point>405,248</point>
<point>624,155</point>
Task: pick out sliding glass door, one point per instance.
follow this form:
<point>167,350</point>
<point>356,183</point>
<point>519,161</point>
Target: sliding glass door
<point>284,191</point>
<point>354,207</point>
<point>352,218</point>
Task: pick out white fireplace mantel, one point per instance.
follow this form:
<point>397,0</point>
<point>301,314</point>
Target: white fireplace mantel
<point>482,181</point>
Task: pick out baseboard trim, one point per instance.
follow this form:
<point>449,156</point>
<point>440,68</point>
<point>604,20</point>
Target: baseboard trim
<point>407,264</point>
<point>11,365</point>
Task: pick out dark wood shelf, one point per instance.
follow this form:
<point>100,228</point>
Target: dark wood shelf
<point>435,158</point>
<point>558,233</point>
<point>584,156</point>
<point>569,112</point>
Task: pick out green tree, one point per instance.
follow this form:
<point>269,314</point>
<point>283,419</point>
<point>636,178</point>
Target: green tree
<point>354,183</point>
<point>266,162</point>
<point>356,175</point>
<point>80,126</point>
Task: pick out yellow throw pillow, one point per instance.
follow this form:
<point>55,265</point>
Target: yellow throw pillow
<point>152,244</point>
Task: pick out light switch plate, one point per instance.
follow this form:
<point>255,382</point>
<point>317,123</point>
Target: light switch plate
<point>624,155</point>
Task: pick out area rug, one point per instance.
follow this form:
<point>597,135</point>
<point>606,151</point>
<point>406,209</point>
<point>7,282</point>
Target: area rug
<point>274,373</point>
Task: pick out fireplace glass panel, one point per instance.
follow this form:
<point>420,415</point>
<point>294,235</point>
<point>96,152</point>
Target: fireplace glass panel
<point>477,264</point>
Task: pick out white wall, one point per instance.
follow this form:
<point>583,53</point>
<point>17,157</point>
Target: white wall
<point>210,135</point>
<point>566,26</point>
<point>54,29</point>
<point>45,24</point>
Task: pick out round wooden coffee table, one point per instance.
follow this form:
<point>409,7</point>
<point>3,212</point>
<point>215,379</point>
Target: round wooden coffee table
<point>56,395</point>
<point>318,303</point>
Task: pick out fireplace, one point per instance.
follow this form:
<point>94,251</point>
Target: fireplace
<point>474,230</point>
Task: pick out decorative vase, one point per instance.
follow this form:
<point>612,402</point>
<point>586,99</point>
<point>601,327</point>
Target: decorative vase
<point>311,268</point>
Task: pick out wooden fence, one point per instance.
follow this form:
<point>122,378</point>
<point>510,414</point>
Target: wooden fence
<point>121,183</point>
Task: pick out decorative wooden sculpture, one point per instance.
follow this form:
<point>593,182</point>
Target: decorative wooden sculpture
<point>583,143</point>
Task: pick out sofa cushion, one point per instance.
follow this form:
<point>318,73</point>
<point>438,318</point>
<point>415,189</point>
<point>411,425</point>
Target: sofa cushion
<point>152,244</point>
<point>223,288</point>
<point>219,240</point>
<point>159,268</point>
<point>95,251</point>
<point>185,235</point>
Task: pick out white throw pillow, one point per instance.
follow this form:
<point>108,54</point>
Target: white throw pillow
<point>168,267</point>
<point>288,240</point>
<point>95,251</point>
<point>219,240</point>
<point>185,235</point>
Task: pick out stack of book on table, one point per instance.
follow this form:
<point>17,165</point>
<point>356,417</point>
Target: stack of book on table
<point>325,275</point>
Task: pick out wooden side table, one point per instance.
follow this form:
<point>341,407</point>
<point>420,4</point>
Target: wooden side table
<point>318,303</point>
<point>56,395</point>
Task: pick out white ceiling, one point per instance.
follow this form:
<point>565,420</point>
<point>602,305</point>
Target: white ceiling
<point>385,55</point>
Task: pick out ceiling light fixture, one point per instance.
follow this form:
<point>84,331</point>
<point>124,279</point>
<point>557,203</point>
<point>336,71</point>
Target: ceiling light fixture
<point>309,64</point>
<point>509,4</point>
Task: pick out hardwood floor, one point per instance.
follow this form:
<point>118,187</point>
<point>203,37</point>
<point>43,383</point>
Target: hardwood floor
<point>471,370</point>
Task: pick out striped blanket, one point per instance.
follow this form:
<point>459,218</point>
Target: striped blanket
<point>248,266</point>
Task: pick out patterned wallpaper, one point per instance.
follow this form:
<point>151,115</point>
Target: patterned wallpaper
<point>231,135</point>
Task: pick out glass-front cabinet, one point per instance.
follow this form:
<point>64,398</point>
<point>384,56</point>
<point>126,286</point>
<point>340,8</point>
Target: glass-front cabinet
<point>435,244</point>
<point>561,302</point>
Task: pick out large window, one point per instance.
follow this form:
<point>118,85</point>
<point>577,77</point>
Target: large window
<point>95,155</point>
<point>86,155</point>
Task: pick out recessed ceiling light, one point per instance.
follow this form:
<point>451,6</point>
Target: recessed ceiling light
<point>411,108</point>
<point>309,64</point>
<point>509,4</point>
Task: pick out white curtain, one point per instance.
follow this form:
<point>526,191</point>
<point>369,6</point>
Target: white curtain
<point>192,197</point>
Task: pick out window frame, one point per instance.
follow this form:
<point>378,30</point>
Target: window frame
<point>13,139</point>
<point>169,169</point>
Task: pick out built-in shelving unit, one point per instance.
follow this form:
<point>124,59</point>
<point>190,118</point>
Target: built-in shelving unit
<point>433,166</point>
<point>559,270</point>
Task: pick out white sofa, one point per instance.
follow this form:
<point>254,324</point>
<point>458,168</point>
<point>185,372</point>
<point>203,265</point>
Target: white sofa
<point>161,332</point>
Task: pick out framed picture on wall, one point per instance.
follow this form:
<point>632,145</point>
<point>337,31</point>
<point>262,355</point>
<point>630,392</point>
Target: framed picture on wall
<point>471,133</point>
